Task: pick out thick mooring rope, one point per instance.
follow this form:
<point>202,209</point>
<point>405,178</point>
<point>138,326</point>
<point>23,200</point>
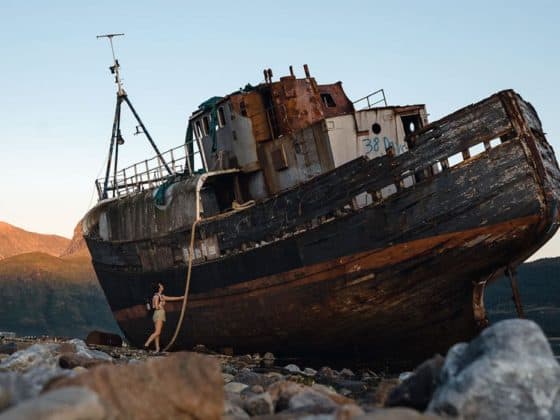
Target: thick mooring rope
<point>187,285</point>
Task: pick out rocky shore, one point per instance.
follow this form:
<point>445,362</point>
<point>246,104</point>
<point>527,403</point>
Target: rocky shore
<point>509,371</point>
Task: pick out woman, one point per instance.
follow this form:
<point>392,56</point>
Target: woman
<point>158,303</point>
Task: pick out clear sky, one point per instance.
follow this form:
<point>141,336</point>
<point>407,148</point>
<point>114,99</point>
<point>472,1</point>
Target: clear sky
<point>57,96</point>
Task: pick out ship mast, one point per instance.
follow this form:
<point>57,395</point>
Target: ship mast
<point>116,136</point>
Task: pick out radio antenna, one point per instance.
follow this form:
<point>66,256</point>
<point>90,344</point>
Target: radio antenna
<point>116,66</point>
<point>116,137</point>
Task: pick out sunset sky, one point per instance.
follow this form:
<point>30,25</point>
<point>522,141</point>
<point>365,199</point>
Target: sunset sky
<point>57,96</point>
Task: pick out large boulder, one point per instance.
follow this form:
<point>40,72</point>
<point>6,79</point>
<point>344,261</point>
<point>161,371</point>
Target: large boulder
<point>508,372</point>
<point>180,386</point>
<point>72,403</point>
<point>417,389</point>
<point>24,373</point>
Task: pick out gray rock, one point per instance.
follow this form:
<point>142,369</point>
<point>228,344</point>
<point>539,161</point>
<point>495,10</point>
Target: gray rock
<point>292,368</point>
<point>509,371</point>
<point>397,414</point>
<point>355,387</point>
<point>227,378</point>
<point>417,389</point>
<point>33,356</point>
<point>309,372</point>
<point>72,360</point>
<point>72,403</point>
<point>37,365</point>
<point>13,389</point>
<point>233,411</point>
<point>259,405</point>
<point>83,350</point>
<point>312,401</point>
<point>252,378</point>
<point>268,356</point>
<point>235,387</point>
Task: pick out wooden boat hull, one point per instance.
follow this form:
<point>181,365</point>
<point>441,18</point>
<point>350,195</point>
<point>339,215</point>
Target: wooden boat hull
<point>402,278</point>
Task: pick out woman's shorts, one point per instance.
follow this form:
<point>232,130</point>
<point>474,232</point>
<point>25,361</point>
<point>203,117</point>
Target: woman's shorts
<point>159,315</point>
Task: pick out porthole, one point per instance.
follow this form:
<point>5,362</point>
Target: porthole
<point>376,128</point>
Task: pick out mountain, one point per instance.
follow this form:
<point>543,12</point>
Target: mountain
<point>14,241</point>
<point>539,287</point>
<point>45,294</point>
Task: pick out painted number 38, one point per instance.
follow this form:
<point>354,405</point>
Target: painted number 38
<point>372,145</point>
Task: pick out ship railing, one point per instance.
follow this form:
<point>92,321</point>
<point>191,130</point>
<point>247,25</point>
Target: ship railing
<point>371,100</point>
<point>150,173</point>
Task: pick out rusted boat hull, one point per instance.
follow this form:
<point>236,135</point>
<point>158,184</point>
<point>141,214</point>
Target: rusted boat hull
<point>401,278</point>
<point>409,300</point>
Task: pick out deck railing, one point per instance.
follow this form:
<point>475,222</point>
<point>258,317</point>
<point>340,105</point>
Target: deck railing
<point>151,172</point>
<point>372,99</point>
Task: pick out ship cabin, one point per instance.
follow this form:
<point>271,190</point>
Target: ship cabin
<point>261,140</point>
<point>282,133</point>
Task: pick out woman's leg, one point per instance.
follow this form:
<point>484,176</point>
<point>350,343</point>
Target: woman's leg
<point>150,339</point>
<point>159,326</point>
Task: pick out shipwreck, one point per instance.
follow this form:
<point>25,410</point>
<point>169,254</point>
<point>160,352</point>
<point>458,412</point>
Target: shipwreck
<point>311,224</point>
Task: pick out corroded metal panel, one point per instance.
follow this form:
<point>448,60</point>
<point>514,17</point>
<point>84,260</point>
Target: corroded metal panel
<point>297,104</point>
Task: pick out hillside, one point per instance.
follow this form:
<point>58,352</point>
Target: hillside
<point>539,286</point>
<point>46,295</point>
<point>14,241</point>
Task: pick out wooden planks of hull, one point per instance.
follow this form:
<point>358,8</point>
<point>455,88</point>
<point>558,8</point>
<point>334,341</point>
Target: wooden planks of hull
<point>415,297</point>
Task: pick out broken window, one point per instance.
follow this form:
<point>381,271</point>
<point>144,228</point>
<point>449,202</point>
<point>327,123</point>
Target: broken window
<point>328,100</point>
<point>221,117</point>
<point>206,123</point>
<point>198,130</point>
<point>411,123</point>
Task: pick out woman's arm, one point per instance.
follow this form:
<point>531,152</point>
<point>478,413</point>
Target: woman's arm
<point>173,298</point>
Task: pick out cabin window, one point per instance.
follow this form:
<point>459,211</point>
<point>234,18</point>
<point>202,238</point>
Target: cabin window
<point>243,108</point>
<point>376,128</point>
<point>411,123</point>
<point>206,124</point>
<point>198,130</point>
<point>328,100</point>
<point>221,117</point>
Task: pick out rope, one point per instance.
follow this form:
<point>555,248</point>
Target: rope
<point>185,297</point>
